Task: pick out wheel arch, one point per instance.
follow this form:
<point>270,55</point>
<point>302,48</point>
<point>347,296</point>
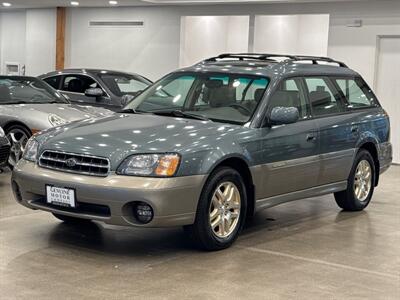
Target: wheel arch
<point>371,147</point>
<point>11,123</point>
<point>241,165</point>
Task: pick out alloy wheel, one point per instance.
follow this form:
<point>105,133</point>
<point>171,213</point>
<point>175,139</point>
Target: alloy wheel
<point>224,212</point>
<point>362,180</point>
<point>18,139</point>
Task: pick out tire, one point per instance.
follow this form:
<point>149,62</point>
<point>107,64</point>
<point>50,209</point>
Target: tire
<point>229,217</point>
<point>354,199</point>
<point>71,220</point>
<point>21,136</point>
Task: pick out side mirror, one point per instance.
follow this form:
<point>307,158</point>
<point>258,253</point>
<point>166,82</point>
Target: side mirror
<point>94,92</point>
<point>284,115</point>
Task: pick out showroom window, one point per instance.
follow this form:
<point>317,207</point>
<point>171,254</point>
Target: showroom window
<point>323,97</point>
<point>354,92</point>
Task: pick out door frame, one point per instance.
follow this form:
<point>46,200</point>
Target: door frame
<point>379,37</point>
<point>377,53</point>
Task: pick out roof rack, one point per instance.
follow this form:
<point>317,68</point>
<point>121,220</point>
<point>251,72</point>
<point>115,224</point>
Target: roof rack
<point>274,58</point>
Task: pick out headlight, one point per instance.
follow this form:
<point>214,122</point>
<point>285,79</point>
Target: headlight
<point>2,134</point>
<point>158,165</point>
<point>31,150</point>
<point>56,120</point>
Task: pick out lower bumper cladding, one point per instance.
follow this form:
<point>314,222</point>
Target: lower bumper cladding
<point>115,199</point>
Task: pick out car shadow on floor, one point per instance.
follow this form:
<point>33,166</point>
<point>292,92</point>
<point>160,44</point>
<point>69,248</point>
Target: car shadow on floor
<point>272,224</point>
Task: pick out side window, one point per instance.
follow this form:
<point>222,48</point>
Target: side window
<point>78,83</point>
<point>323,97</point>
<point>290,93</point>
<point>53,81</point>
<point>355,92</point>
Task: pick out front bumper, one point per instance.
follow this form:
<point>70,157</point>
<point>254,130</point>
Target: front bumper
<point>385,154</point>
<point>174,200</point>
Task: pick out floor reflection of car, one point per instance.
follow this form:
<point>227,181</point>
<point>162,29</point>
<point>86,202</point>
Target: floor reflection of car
<point>4,149</point>
<point>110,89</point>
<point>28,105</point>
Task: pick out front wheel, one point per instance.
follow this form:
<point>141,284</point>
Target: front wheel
<point>18,136</point>
<point>221,210</point>
<point>360,184</point>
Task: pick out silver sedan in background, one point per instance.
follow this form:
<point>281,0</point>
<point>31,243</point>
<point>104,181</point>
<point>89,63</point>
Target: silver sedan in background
<point>29,105</point>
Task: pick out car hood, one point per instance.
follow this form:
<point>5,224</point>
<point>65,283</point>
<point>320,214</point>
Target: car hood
<point>121,135</point>
<point>37,115</point>
<point>69,112</point>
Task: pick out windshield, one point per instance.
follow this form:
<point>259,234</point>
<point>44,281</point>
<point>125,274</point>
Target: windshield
<point>228,98</point>
<point>124,84</point>
<point>15,90</point>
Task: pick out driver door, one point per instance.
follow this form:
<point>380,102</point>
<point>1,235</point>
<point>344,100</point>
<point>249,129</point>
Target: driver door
<point>289,153</point>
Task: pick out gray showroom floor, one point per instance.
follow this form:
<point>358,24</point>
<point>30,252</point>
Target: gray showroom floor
<point>302,250</point>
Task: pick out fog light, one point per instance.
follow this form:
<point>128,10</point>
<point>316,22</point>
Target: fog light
<point>143,212</point>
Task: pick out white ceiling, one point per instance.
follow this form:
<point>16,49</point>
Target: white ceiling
<point>104,3</point>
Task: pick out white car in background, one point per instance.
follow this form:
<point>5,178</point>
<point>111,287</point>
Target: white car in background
<point>29,105</point>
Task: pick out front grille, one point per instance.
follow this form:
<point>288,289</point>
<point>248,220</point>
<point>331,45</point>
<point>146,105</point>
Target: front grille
<point>75,163</point>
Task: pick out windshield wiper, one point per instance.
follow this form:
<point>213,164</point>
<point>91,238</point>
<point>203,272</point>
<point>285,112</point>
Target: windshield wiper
<point>180,114</point>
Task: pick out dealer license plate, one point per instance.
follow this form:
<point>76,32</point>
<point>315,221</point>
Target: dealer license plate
<point>60,196</point>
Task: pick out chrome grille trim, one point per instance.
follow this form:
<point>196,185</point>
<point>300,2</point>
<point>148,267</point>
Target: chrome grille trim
<point>85,164</point>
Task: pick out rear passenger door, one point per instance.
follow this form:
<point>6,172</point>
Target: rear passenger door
<point>338,132</point>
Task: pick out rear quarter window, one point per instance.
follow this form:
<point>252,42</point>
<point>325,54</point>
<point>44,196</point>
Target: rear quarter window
<point>356,93</point>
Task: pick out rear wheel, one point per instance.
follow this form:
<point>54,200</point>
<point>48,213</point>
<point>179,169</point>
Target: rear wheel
<point>71,220</point>
<point>18,136</point>
<point>360,184</point>
<point>221,210</point>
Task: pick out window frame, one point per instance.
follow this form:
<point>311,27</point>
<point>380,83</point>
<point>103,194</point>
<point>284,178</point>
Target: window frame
<point>63,75</point>
<point>338,96</point>
<point>267,110</point>
<point>364,88</point>
<point>255,112</point>
<point>55,76</point>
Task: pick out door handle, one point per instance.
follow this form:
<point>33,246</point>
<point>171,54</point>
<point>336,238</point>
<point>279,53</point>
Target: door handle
<point>311,137</point>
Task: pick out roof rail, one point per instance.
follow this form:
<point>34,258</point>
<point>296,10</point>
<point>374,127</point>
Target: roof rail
<point>274,58</point>
<point>316,59</point>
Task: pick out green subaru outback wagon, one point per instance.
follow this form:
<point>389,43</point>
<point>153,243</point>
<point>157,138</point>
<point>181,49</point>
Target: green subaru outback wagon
<point>209,145</point>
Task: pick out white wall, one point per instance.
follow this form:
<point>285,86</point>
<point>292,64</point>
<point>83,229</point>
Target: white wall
<point>40,45</point>
<point>152,50</point>
<point>207,36</point>
<point>358,46</point>
<point>12,38</point>
<point>27,37</point>
<point>292,34</point>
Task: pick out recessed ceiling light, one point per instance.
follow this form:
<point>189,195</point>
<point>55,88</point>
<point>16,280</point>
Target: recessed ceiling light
<point>112,2</point>
<point>74,3</point>
<point>6,4</point>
